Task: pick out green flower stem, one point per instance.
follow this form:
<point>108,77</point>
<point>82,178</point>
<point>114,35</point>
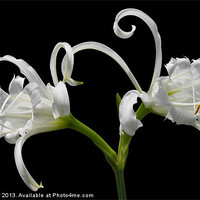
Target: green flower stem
<point>125,139</point>
<point>121,189</point>
<point>117,161</point>
<point>123,148</point>
<point>110,154</point>
<point>142,112</point>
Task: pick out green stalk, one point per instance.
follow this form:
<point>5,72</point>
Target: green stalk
<point>121,189</point>
<point>142,112</point>
<point>97,140</point>
<point>117,161</point>
<point>123,148</point>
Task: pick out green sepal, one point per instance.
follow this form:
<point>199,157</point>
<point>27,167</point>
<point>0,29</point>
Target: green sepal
<point>118,100</point>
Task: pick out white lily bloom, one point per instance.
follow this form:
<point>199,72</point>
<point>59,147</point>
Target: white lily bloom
<point>182,91</point>
<point>33,109</point>
<point>177,96</point>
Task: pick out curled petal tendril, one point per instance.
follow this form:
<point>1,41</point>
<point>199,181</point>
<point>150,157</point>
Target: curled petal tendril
<point>70,60</point>
<point>66,66</point>
<point>151,24</point>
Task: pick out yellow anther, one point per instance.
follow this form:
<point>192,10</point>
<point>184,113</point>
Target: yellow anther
<point>197,109</point>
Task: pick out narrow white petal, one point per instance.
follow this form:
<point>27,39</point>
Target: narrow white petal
<point>67,71</point>
<point>61,104</point>
<point>127,116</point>
<point>104,49</point>
<point>72,82</point>
<point>152,25</point>
<point>25,175</point>
<point>27,70</point>
<point>66,66</point>
<point>16,85</point>
<point>69,61</point>
<point>120,33</point>
<point>42,121</point>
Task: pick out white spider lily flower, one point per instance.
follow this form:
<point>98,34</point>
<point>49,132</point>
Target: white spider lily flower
<point>33,109</point>
<point>47,115</point>
<point>178,94</point>
<point>176,97</point>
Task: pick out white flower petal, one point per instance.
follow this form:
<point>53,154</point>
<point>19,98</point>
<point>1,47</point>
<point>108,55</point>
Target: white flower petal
<point>152,25</point>
<point>16,85</point>
<point>42,121</point>
<point>16,119</point>
<point>105,49</point>
<point>27,70</point>
<point>73,82</point>
<point>178,67</point>
<point>6,128</point>
<point>67,71</point>
<point>12,137</point>
<point>25,175</point>
<point>160,103</point>
<point>17,110</point>
<point>66,66</point>
<point>120,33</point>
<point>34,93</point>
<point>127,116</point>
<point>196,69</point>
<point>61,104</point>
<point>3,96</point>
<point>181,116</point>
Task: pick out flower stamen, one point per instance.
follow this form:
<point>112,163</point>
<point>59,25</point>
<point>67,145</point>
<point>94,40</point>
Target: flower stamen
<point>197,109</point>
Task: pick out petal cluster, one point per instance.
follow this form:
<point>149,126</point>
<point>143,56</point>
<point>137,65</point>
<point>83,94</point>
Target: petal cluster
<point>177,96</point>
<point>182,87</point>
<point>34,108</point>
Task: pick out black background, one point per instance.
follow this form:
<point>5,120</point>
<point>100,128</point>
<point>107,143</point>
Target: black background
<point>163,160</point>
